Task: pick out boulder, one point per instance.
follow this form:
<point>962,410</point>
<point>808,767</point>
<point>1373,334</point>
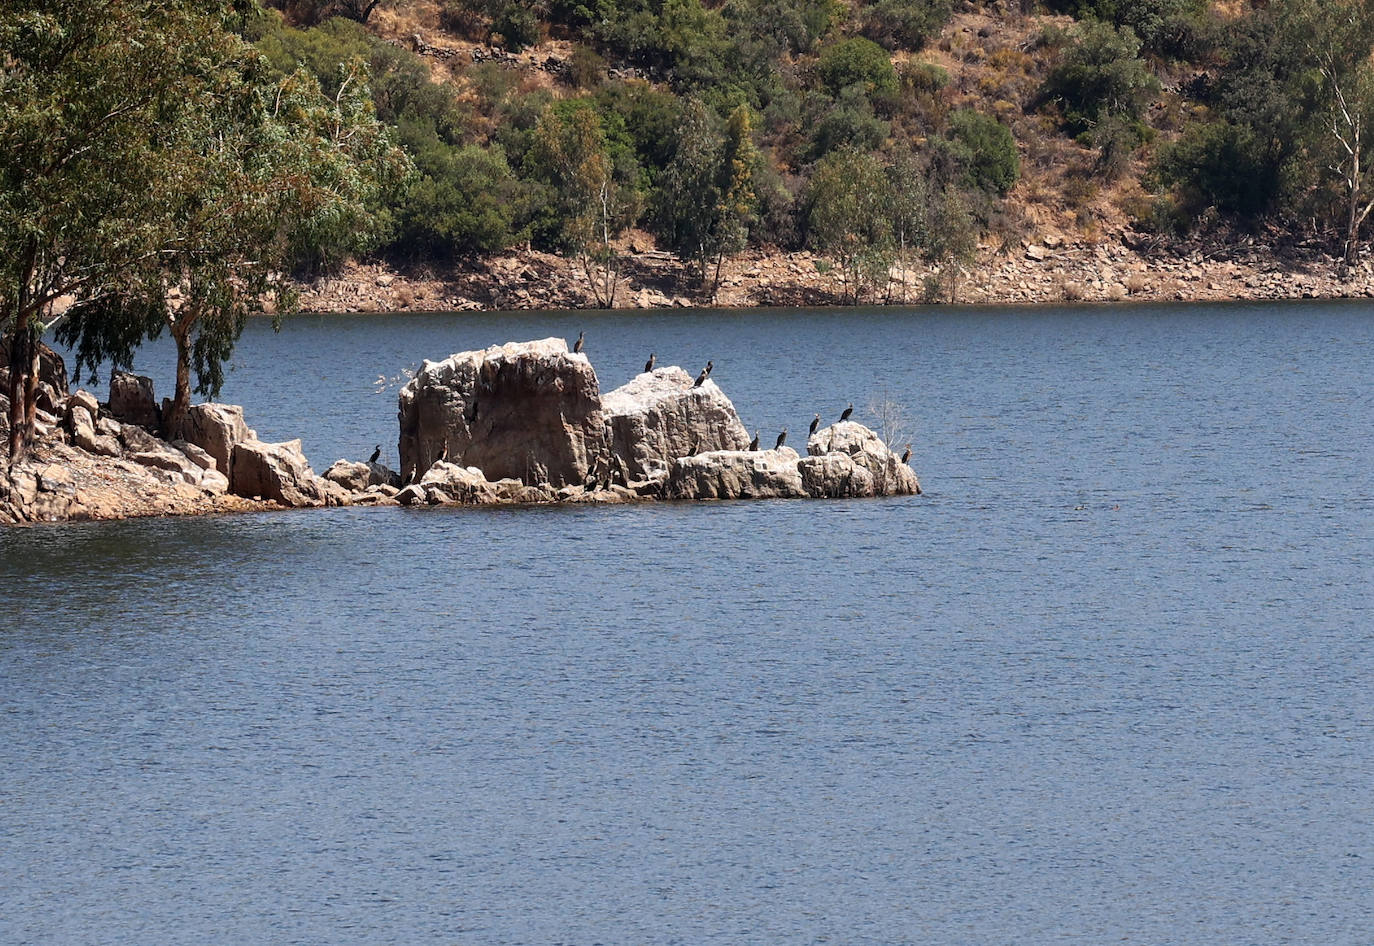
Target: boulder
<point>216,428</point>
<point>834,476</point>
<point>660,416</point>
<point>196,455</point>
<point>891,477</point>
<point>526,410</point>
<point>84,436</point>
<point>736,474</point>
<point>132,401</point>
<point>86,399</point>
<point>455,484</point>
<point>412,495</point>
<point>357,477</point>
<point>275,471</point>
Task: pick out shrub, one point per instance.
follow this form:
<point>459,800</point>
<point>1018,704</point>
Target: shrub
<point>905,24</point>
<point>857,61</point>
<point>518,26</point>
<point>986,149</point>
<point>1101,74</point>
<point>925,78</point>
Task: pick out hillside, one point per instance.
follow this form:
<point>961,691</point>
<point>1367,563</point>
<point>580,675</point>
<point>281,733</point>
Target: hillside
<point>869,138</point>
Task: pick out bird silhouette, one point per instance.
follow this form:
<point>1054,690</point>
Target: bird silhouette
<point>906,454</point>
<point>577,345</point>
<point>815,422</point>
<point>375,454</point>
<point>701,378</point>
<point>649,365</point>
<point>847,411</point>
<point>782,439</point>
<point>754,444</point>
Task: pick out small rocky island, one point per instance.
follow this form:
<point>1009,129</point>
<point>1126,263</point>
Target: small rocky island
<point>520,423</point>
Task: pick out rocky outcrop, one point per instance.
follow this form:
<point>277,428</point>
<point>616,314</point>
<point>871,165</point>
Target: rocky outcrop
<point>132,401</point>
<point>278,472</point>
<point>660,416</point>
<point>736,474</point>
<point>358,477</point>
<point>527,410</point>
<point>890,476</point>
<point>216,428</point>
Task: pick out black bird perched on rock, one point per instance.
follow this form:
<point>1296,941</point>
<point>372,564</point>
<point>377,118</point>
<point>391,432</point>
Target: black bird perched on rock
<point>701,378</point>
<point>847,411</point>
<point>577,345</point>
<point>906,454</point>
<point>754,444</point>
<point>709,366</point>
<point>375,454</point>
<point>782,439</point>
<point>815,422</point>
<point>649,365</point>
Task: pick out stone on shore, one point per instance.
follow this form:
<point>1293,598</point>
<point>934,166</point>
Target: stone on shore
<point>132,401</point>
<point>216,428</point>
<point>526,410</point>
<point>660,416</point>
<point>736,474</point>
<point>891,477</point>
<point>358,477</point>
<point>274,471</point>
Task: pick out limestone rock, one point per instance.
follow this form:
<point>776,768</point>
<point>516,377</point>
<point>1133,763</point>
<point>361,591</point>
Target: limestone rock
<point>456,484</point>
<point>216,428</point>
<point>891,477</point>
<point>527,410</point>
<point>735,474</point>
<point>412,495</point>
<point>84,436</point>
<point>86,399</point>
<point>834,476</point>
<point>275,471</point>
<point>196,455</point>
<point>132,401</point>
<point>358,477</point>
<point>659,416</point>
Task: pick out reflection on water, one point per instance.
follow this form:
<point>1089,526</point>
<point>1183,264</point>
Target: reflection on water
<point>1104,682</point>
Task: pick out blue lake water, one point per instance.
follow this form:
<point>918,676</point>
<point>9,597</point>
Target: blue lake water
<point>1106,681</point>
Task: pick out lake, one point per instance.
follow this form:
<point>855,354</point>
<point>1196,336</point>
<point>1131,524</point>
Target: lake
<point>1108,680</point>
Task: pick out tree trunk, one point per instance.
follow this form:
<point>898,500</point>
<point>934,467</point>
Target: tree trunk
<point>19,360</point>
<point>175,420</point>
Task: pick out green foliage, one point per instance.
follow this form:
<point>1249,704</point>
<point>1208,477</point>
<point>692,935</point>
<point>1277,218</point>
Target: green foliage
<point>464,200</point>
<point>986,149</point>
<point>847,218</point>
<point>925,78</point>
<point>517,26</point>
<point>706,200</point>
<point>857,61</point>
<point>1100,74</point>
<point>905,24</point>
<point>1165,27</point>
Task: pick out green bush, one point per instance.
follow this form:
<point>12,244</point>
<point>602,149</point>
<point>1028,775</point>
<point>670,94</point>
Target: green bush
<point>857,61</point>
<point>986,149</point>
<point>905,24</point>
<point>1100,74</point>
<point>925,78</point>
<point>518,26</point>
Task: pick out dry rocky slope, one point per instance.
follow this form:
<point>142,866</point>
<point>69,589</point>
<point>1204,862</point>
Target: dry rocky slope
<point>1042,270</point>
<point>518,423</point>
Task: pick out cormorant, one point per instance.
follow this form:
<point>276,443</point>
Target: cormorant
<point>847,411</point>
<point>709,366</point>
<point>782,439</point>
<point>815,422</point>
<point>649,365</point>
<point>754,444</point>
<point>906,454</point>
<point>577,345</point>
<point>375,454</point>
<point>701,378</point>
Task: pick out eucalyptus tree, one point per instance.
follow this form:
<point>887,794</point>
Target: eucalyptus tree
<point>847,217</point>
<point>87,92</point>
<point>592,206</point>
<point>706,197</point>
<point>272,171</point>
<point>154,175</point>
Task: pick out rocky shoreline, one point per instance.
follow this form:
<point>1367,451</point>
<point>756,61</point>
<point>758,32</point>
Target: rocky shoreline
<point>1047,269</point>
<point>522,423</point>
